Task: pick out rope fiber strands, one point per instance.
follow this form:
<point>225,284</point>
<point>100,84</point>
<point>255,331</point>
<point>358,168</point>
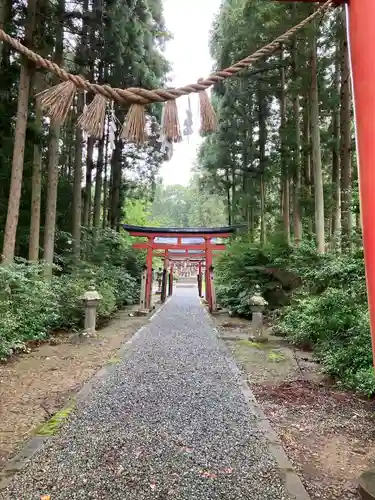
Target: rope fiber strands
<point>57,103</point>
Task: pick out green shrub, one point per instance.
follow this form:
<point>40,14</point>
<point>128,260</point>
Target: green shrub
<point>68,289</point>
<point>326,311</point>
<point>335,323</point>
<point>348,357</point>
<point>313,318</point>
<point>10,341</point>
<point>107,304</point>
<point>126,286</point>
<point>237,272</point>
<point>362,381</point>
<point>30,306</point>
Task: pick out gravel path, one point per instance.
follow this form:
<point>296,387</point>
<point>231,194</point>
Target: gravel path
<point>169,422</point>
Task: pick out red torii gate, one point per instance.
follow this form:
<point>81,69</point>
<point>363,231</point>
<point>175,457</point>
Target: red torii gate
<point>361,37</point>
<point>175,245</point>
<point>361,42</point>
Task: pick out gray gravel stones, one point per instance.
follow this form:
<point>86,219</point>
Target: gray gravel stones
<point>170,422</point>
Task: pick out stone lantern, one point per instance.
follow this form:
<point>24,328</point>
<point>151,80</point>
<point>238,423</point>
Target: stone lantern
<point>90,300</point>
<point>257,304</point>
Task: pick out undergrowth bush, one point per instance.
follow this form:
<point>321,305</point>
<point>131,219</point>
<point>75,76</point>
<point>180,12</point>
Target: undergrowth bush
<point>31,307</point>
<point>320,301</point>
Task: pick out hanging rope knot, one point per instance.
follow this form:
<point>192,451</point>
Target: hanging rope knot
<point>93,117</point>
<point>207,112</point>
<point>170,126</point>
<point>134,128</point>
<point>57,101</point>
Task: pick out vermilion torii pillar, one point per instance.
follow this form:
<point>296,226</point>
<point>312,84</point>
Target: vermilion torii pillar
<point>361,19</point>
<point>361,38</point>
<point>187,242</point>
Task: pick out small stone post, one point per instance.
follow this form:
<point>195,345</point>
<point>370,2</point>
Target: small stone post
<point>170,282</point>
<point>159,277</point>
<point>200,279</point>
<point>257,304</point>
<point>143,289</point>
<point>163,296</point>
<point>90,301</point>
<point>213,292</point>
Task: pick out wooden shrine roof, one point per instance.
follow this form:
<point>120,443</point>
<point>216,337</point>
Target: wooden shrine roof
<point>180,231</point>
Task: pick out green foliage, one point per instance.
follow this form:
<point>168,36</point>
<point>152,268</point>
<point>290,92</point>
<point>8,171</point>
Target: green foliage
<point>245,265</point>
<point>327,311</point>
<point>30,306</point>
<point>137,212</point>
<point>187,206</point>
<point>112,248</point>
<point>336,324</point>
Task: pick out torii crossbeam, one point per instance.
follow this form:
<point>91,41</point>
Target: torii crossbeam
<point>172,244</point>
<point>361,42</point>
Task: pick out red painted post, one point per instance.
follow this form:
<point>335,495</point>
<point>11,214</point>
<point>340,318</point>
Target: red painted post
<point>207,273</point>
<point>164,283</point>
<point>206,293</point>
<point>149,273</point>
<point>361,20</point>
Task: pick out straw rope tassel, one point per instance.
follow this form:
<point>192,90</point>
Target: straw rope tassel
<point>207,113</point>
<point>171,126</point>
<point>57,101</point>
<point>134,129</point>
<point>93,117</point>
<point>138,95</point>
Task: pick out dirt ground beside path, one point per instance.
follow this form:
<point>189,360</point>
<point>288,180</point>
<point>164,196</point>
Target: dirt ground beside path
<point>328,435</point>
<point>34,386</point>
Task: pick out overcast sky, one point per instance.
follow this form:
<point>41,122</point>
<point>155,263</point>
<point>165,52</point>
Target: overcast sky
<point>190,23</point>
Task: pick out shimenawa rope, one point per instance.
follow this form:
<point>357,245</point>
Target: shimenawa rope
<point>61,95</point>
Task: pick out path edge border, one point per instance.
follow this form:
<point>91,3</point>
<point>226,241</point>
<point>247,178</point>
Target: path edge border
<point>292,480</point>
<point>20,460</point>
